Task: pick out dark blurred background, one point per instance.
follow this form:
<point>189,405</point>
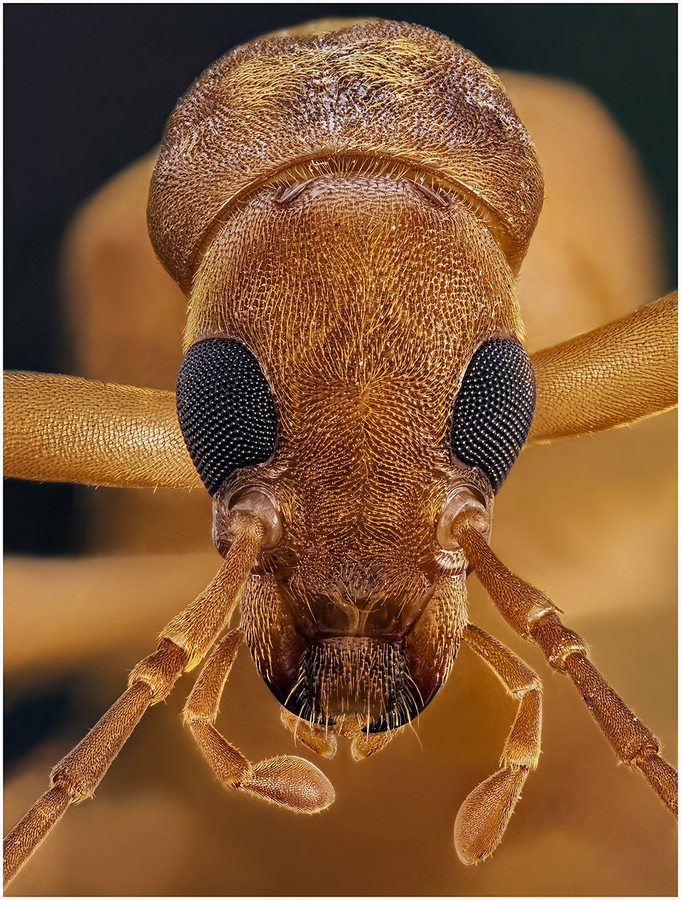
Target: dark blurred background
<point>88,88</point>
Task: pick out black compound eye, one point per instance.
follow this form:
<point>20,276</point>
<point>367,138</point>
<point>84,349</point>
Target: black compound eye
<point>493,409</point>
<point>225,410</point>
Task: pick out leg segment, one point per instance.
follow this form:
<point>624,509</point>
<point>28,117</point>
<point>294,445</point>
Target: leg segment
<point>534,617</point>
<point>182,644</point>
<point>485,813</point>
<point>286,780</point>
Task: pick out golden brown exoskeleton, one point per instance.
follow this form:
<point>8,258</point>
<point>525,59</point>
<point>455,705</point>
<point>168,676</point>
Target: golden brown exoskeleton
<point>347,213</point>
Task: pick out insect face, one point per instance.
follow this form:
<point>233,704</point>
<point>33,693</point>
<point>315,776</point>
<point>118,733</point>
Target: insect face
<point>342,284</point>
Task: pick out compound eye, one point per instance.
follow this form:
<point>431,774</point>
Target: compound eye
<point>493,410</point>
<point>225,409</point>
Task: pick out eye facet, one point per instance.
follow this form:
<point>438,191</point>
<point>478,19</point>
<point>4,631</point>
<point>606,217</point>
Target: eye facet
<point>493,410</point>
<point>225,410</point>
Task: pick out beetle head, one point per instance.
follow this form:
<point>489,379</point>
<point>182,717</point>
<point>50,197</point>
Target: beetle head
<point>352,316</point>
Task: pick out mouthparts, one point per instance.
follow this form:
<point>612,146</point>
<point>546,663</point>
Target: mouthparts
<point>365,677</point>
